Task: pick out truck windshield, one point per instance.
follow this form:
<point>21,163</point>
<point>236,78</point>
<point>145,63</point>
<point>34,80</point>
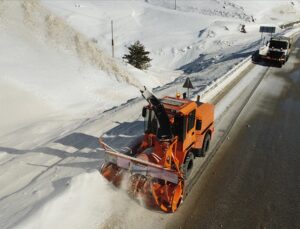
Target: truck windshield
<point>151,124</point>
<point>278,44</point>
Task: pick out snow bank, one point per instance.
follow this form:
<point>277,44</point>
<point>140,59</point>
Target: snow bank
<point>50,73</point>
<point>60,65</point>
<point>55,30</point>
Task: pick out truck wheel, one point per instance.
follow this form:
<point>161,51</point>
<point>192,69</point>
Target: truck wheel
<point>188,165</point>
<point>206,144</point>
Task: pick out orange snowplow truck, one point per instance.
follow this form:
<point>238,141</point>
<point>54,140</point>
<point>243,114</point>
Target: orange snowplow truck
<point>176,131</point>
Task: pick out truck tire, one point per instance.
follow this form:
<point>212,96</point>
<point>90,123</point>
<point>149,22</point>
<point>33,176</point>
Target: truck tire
<point>188,165</point>
<point>206,144</point>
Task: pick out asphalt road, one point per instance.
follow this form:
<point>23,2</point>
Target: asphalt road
<point>254,179</point>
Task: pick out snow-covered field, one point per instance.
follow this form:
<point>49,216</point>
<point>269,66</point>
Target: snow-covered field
<point>58,76</point>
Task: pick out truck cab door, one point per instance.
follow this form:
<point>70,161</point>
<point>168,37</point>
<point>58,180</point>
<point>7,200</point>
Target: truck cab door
<point>190,129</point>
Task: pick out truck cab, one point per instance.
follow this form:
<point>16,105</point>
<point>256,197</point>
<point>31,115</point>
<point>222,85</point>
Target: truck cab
<point>191,123</point>
<point>277,50</point>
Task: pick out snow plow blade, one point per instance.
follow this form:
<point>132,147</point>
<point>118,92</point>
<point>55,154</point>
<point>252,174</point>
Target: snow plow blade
<point>154,185</point>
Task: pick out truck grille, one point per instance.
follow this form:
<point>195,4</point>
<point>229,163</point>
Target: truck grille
<point>276,54</point>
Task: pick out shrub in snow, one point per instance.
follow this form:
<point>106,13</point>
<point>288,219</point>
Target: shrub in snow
<point>243,29</point>
<point>138,56</point>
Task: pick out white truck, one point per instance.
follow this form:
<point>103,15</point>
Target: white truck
<point>277,50</point>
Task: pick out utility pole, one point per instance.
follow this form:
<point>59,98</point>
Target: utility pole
<point>112,39</point>
<point>175,5</point>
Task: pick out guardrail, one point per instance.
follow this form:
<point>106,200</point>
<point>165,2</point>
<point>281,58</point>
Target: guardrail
<point>288,25</point>
<point>225,79</point>
<point>293,32</point>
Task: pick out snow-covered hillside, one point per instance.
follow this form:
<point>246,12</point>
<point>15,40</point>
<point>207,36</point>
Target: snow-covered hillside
<point>62,49</point>
<point>58,76</point>
<point>174,37</point>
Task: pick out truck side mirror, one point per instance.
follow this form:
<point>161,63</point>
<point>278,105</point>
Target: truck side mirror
<point>144,112</point>
<point>198,124</point>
